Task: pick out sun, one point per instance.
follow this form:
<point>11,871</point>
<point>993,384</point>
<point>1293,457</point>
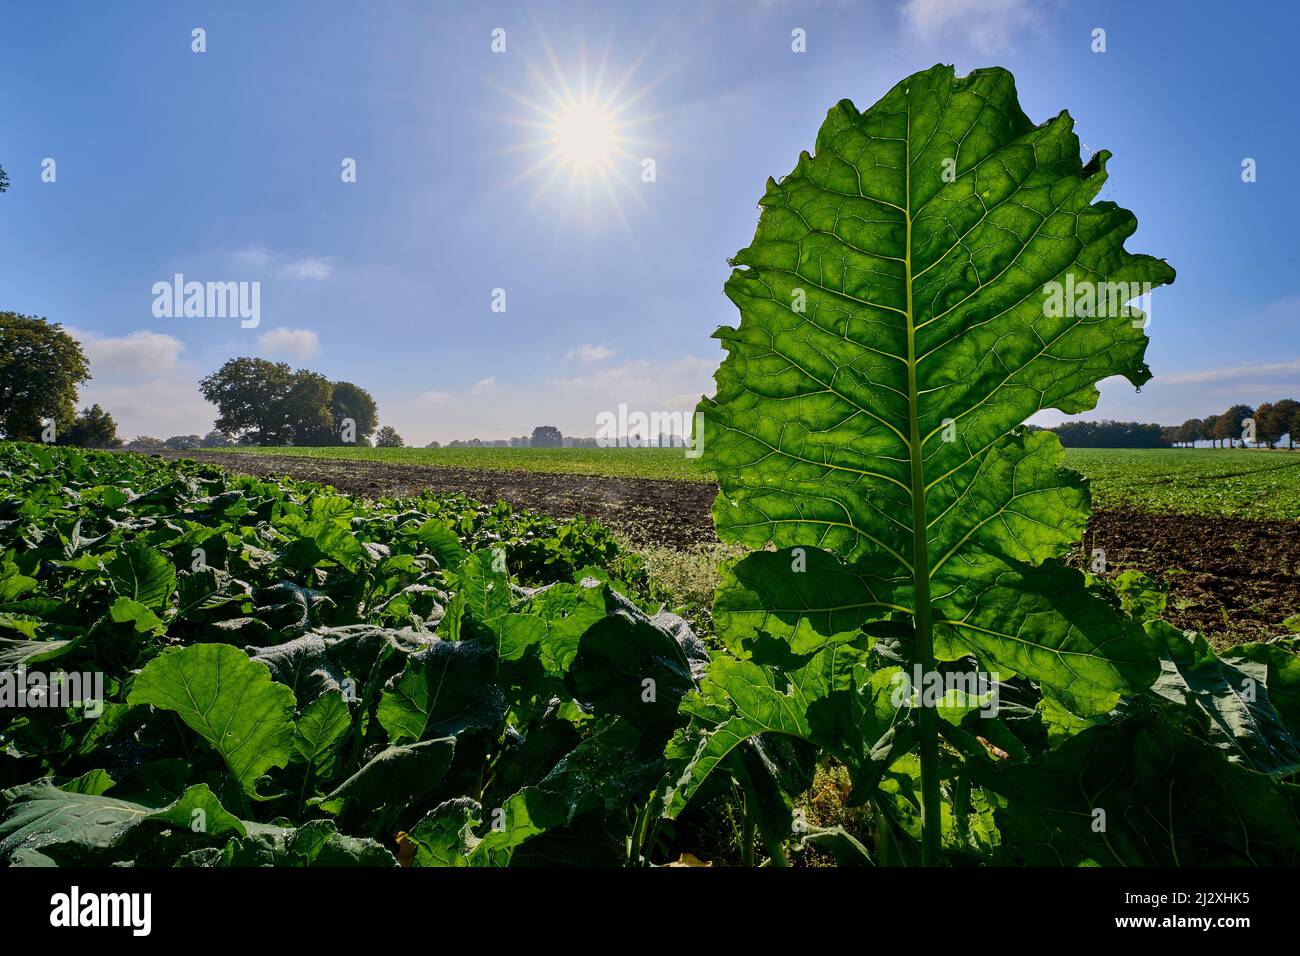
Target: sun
<point>586,136</point>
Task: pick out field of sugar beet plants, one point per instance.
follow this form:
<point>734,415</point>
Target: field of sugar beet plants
<point>381,680</point>
<point>1216,528</point>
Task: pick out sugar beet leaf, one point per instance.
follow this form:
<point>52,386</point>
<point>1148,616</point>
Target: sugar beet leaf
<point>932,276</point>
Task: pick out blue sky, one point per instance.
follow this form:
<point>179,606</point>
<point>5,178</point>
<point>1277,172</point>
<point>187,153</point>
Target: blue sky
<point>225,166</point>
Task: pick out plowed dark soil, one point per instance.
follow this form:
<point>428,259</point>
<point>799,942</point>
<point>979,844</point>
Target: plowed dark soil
<point>1226,576</point>
<point>647,511</point>
<point>1232,578</point>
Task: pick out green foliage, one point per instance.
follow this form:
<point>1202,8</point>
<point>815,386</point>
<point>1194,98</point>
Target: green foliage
<point>896,330</point>
<point>547,436</point>
<point>40,369</point>
<point>146,443</point>
<point>229,700</point>
<point>1230,426</point>
<point>307,677</point>
<point>92,428</point>
<point>248,393</point>
<point>348,401</point>
<point>387,437</point>
<point>1193,481</point>
<point>1275,419</point>
<point>306,408</point>
<point>266,403</point>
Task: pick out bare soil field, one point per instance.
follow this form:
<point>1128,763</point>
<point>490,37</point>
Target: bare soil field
<point>1230,577</point>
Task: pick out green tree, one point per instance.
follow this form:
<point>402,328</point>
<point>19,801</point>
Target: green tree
<point>1190,432</point>
<point>249,395</point>
<point>388,438</point>
<point>146,443</point>
<point>40,368</point>
<point>216,439</point>
<point>547,436</point>
<point>306,409</point>
<point>353,402</point>
<point>266,403</point>
<point>184,442</point>
<point>1228,426</point>
<point>92,428</point>
<point>1273,420</point>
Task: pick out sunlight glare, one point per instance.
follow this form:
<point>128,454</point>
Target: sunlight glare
<point>585,135</point>
<point>588,156</point>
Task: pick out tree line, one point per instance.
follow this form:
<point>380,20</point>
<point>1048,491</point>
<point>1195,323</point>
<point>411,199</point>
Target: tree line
<point>1238,426</point>
<point>543,436</point>
<point>1265,425</point>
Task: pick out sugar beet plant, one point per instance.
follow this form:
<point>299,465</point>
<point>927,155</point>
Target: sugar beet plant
<point>933,275</point>
<point>290,677</point>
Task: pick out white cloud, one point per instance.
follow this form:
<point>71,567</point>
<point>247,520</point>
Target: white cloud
<point>1232,373</point>
<point>299,344</point>
<point>306,267</point>
<point>987,26</point>
<point>283,265</point>
<point>253,256</point>
<point>483,385</point>
<point>138,354</point>
<point>589,354</point>
<point>143,382</point>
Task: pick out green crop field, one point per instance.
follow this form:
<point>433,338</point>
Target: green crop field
<point>1201,481</point>
<point>669,463</point>
<point>1211,481</point>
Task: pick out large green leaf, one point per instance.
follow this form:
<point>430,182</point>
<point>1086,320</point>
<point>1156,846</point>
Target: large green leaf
<point>43,822</point>
<point>1139,793</point>
<point>897,327</point>
<point>319,728</point>
<point>41,818</point>
<point>229,700</point>
<point>636,666</point>
<point>1234,696</point>
<point>143,574</point>
<point>303,664</point>
<point>447,689</point>
<point>15,653</point>
<point>438,537</point>
<point>1281,660</point>
<point>395,776</point>
<point>803,596</point>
